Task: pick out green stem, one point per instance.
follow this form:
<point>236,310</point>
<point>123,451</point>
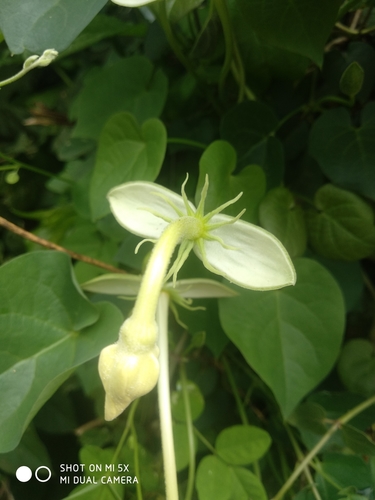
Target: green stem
<point>164,397</point>
<point>129,423</point>
<point>18,164</point>
<point>32,62</point>
<point>332,98</point>
<point>190,431</point>
<point>306,461</point>
<point>136,462</point>
<point>222,11</point>
<point>240,408</point>
<point>187,142</point>
<point>204,441</point>
<point>159,10</point>
<point>232,383</point>
<point>15,77</point>
<point>239,74</point>
<point>300,457</point>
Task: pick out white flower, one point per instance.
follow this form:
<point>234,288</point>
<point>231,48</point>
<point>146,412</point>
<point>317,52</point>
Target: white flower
<point>244,253</point>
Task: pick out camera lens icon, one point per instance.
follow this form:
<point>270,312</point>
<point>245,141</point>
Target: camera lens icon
<point>24,474</point>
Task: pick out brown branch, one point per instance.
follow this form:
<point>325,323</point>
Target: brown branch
<point>48,244</point>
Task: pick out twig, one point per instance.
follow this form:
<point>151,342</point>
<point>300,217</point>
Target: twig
<point>48,244</point>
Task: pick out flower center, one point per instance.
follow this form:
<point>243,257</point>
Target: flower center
<point>193,227</point>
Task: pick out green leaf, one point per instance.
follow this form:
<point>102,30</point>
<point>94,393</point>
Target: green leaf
<point>213,480</point>
<point>300,26</point>
<point>130,84</point>
<point>126,152</point>
<point>349,276</point>
<point>346,153</point>
<point>30,451</point>
<point>351,80</point>
<point>41,314</point>
<point>246,485</point>
<point>37,25</point>
<point>356,366</point>
<point>249,127</point>
<point>290,337</point>
<point>264,62</point>
<point>218,162</point>
<point>343,471</point>
<point>358,441</point>
<point>242,444</point>
<point>337,404</point>
<point>342,227</point>
<point>195,398</point>
<point>309,416</point>
<point>279,214</point>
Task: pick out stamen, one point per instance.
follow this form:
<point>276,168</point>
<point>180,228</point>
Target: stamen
<point>189,210</point>
<point>183,253</point>
<point>170,203</point>
<point>157,214</point>
<point>200,209</point>
<point>221,208</point>
<point>219,240</point>
<point>211,227</point>
<point>141,243</point>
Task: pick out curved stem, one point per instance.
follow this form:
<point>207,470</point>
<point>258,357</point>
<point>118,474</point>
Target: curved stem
<point>153,278</point>
<point>164,397</point>
<point>308,458</point>
<point>159,10</point>
<point>32,62</point>
<point>19,164</point>
<point>222,11</point>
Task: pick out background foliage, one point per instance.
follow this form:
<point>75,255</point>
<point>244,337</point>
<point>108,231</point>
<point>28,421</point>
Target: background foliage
<point>272,98</point>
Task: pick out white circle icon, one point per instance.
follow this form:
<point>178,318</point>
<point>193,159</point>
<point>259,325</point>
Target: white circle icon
<point>49,474</point>
<point>23,474</point>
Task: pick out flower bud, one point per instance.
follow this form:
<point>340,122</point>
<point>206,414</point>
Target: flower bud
<point>126,375</point>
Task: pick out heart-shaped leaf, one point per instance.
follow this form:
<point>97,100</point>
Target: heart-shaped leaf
<point>242,444</point>
<point>342,226</point>
<point>290,337</point>
<point>249,127</point>
<point>47,328</point>
<point>346,153</point>
<point>130,84</point>
<point>126,152</point>
<point>50,24</point>
<point>218,162</point>
<point>300,26</point>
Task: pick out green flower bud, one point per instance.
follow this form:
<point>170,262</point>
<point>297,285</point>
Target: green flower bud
<point>126,375</point>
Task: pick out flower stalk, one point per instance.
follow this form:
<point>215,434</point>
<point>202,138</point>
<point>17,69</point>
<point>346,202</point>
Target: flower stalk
<point>164,398</point>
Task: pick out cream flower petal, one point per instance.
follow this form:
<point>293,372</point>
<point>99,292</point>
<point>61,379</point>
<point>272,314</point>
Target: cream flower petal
<point>114,284</point>
<point>255,260</point>
<point>195,288</point>
<point>132,3</point>
<point>135,205</point>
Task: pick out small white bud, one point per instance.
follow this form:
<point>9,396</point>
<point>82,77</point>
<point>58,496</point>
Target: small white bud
<point>126,376</point>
